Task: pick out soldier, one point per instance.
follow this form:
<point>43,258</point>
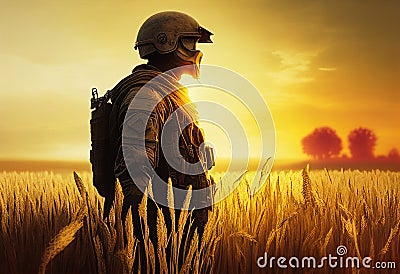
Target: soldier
<point>168,41</point>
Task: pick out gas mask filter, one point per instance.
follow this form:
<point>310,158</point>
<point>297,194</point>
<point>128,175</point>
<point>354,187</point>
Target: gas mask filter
<point>186,51</point>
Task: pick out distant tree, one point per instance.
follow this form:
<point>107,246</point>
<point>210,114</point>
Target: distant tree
<point>394,155</point>
<point>322,143</point>
<point>362,142</point>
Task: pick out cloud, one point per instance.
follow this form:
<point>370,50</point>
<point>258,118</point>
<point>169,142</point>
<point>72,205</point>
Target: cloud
<point>293,67</point>
<point>327,69</point>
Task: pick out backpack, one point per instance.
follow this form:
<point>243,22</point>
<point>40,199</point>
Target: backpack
<point>101,157</point>
<point>102,153</point>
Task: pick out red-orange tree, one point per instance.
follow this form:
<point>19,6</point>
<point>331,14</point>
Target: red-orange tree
<point>322,143</point>
<point>362,142</point>
<point>394,155</point>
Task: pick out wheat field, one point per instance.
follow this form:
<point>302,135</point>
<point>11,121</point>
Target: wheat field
<point>51,223</point>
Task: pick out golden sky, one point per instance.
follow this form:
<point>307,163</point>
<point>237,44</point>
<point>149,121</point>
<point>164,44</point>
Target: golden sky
<point>316,63</point>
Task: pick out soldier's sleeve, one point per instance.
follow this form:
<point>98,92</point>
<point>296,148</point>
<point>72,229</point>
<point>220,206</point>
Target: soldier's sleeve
<point>140,140</point>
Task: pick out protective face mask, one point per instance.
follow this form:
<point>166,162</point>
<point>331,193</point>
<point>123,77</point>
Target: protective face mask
<point>186,52</point>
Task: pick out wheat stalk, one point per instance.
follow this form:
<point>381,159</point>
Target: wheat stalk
<point>307,189</point>
<point>393,233</point>
<point>61,241</point>
<point>244,235</point>
<point>162,241</point>
<point>192,249</point>
<point>101,266</point>
<point>327,239</point>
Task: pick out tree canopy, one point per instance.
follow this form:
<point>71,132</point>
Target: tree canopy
<point>362,142</point>
<point>322,143</point>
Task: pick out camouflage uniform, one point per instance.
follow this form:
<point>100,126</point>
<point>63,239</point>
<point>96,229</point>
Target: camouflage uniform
<point>192,135</point>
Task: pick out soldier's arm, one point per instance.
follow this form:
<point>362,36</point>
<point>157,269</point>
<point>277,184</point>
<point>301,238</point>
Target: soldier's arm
<point>140,137</point>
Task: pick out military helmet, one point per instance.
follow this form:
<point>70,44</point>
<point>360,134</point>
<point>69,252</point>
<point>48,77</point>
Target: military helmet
<point>162,32</point>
